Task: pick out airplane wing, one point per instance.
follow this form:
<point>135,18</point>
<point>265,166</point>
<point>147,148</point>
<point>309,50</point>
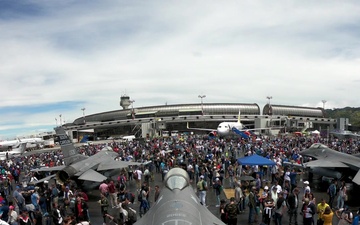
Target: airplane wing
<point>357,178</point>
<point>294,165</point>
<point>325,163</point>
<point>48,169</point>
<point>193,128</point>
<point>44,150</point>
<point>92,175</point>
<point>44,179</point>
<point>113,164</point>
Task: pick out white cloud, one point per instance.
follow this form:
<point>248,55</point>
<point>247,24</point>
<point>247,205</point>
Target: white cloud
<point>157,52</point>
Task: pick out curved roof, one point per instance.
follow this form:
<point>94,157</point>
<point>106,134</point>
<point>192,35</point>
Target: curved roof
<point>175,110</point>
<point>293,111</point>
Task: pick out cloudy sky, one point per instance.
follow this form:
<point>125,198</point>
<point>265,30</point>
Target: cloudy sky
<point>60,56</point>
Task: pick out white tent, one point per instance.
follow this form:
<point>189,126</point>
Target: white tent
<point>315,132</point>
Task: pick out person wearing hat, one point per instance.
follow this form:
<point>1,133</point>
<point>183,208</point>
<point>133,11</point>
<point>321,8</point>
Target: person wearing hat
<point>264,195</point>
<point>218,189</point>
<point>202,187</point>
<point>307,188</point>
<point>66,194</point>
<point>35,198</point>
<point>13,216</point>
<point>269,204</point>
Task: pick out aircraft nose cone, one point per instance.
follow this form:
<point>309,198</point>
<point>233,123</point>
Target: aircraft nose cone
<point>222,131</point>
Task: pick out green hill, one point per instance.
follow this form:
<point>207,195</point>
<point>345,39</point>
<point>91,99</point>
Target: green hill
<point>348,112</point>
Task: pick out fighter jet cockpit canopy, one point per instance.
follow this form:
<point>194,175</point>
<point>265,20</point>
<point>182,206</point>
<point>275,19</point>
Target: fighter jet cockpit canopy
<point>318,145</point>
<point>177,178</point>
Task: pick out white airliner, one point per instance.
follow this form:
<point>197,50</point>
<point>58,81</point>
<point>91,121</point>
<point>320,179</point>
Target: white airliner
<point>13,143</point>
<point>14,152</point>
<point>227,128</point>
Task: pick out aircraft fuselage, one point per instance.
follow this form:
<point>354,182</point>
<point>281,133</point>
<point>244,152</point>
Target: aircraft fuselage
<point>225,128</point>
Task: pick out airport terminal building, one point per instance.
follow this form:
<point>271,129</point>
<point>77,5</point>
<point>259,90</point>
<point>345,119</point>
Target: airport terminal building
<point>154,120</point>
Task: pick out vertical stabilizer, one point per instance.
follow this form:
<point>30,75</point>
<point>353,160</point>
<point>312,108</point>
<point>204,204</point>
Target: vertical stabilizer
<point>19,150</point>
<point>67,147</point>
<point>239,117</point>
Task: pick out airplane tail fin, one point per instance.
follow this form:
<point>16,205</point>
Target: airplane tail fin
<point>84,139</point>
<point>67,147</point>
<point>239,117</point>
<point>21,149</point>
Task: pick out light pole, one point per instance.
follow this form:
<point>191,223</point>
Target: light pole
<point>83,109</point>
<point>269,98</point>
<point>132,108</point>
<point>202,106</point>
<point>60,120</point>
<point>323,101</point>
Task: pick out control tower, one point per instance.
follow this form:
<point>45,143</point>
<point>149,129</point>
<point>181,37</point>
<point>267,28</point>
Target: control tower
<point>125,101</point>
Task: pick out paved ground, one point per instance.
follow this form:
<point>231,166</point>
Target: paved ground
<point>96,218</point>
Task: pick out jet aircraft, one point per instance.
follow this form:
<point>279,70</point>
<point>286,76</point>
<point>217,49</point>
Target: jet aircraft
<point>331,161</point>
<point>228,128</point>
<point>15,143</point>
<point>83,167</point>
<point>13,152</point>
<point>344,134</point>
<point>178,204</point>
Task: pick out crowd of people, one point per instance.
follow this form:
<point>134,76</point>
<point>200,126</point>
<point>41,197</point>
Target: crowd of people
<point>210,163</point>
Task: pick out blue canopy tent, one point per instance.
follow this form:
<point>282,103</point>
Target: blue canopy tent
<point>255,160</point>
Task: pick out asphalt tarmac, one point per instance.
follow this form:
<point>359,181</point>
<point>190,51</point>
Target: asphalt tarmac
<point>96,217</point>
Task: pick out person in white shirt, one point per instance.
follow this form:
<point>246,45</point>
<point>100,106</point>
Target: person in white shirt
<point>287,176</point>
<point>138,180</point>
<point>13,216</point>
<point>307,188</point>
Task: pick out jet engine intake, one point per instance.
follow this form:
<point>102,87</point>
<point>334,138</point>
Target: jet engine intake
<point>213,134</point>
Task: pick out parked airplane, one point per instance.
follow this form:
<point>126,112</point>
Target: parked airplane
<point>83,167</point>
<point>227,128</point>
<point>128,138</point>
<point>9,144</point>
<point>13,143</point>
<point>178,204</point>
<point>331,161</point>
<point>14,152</point>
<point>343,134</point>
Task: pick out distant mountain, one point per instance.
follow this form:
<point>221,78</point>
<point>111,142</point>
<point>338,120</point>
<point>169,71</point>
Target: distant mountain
<point>348,112</point>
